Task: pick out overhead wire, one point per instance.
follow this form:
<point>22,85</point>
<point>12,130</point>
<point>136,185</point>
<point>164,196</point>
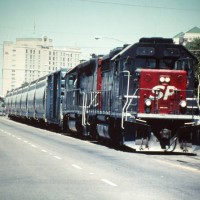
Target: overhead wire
<point>139,5</point>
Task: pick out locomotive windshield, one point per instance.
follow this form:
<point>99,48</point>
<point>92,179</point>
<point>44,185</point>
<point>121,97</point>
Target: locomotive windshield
<point>152,63</point>
<point>160,57</point>
<point>164,63</point>
<point>149,63</point>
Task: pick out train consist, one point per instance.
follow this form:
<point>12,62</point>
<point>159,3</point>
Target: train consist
<point>144,96</point>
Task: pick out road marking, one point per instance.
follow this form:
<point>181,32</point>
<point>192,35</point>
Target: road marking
<point>57,157</point>
<point>43,150</point>
<point>76,166</point>
<point>109,182</point>
<point>34,146</point>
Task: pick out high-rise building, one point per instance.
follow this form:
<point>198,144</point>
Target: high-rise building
<point>31,58</point>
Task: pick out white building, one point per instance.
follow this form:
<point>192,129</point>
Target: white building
<point>31,58</point>
<point>183,38</point>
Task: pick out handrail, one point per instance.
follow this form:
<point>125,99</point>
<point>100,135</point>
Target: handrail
<point>122,121</point>
<point>198,92</point>
<point>127,92</point>
<point>93,99</point>
<point>129,98</point>
<point>83,109</point>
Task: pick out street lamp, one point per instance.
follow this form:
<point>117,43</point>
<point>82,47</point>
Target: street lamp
<point>109,38</point>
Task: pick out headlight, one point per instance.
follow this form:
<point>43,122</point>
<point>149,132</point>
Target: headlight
<point>167,79</point>
<point>162,79</point>
<point>147,102</point>
<point>183,104</point>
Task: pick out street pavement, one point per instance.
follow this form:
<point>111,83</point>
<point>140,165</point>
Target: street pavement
<point>39,164</point>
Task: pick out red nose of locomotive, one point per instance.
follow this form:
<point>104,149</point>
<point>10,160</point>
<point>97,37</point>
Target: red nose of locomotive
<point>162,91</point>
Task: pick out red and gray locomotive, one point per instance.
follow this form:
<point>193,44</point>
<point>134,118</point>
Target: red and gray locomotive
<point>144,96</point>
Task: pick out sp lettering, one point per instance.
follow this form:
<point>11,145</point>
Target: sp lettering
<point>162,92</point>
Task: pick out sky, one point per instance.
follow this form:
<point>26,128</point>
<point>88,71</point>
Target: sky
<point>76,23</point>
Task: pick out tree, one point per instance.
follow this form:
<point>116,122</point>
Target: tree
<point>24,84</point>
<point>2,103</point>
<point>194,47</point>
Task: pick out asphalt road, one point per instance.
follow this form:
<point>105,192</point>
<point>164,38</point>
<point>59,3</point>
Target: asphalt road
<point>39,164</point>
